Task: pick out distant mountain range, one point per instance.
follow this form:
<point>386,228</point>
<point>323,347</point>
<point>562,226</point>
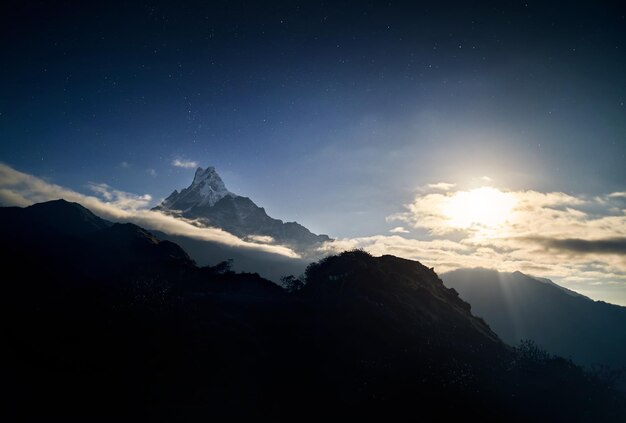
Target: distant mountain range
<point>517,306</point>
<point>104,320</point>
<point>208,201</point>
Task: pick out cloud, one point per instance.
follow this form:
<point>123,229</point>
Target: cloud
<point>263,239</point>
<point>125,164</point>
<point>442,186</point>
<point>522,212</point>
<point>187,164</point>
<point>571,239</point>
<point>21,189</point>
<point>151,172</point>
<point>584,246</point>
<point>11,198</point>
<point>398,230</point>
<point>443,253</point>
<point>572,270</point>
<point>121,199</point>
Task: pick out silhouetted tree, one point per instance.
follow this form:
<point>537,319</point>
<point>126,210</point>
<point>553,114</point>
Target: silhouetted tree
<point>291,283</point>
<point>530,353</point>
<point>223,266</point>
<point>606,375</point>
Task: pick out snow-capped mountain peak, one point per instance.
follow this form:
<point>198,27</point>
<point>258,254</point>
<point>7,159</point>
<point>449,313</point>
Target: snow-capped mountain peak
<point>206,189</point>
<point>210,185</point>
<point>208,201</point>
<point>206,174</point>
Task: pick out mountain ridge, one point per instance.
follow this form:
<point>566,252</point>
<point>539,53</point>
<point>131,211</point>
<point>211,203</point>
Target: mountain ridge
<point>518,306</point>
<point>208,201</point>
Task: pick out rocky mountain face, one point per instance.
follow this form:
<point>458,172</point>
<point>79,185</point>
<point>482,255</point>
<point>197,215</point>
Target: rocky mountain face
<point>106,320</point>
<point>518,306</point>
<point>208,201</point>
<point>206,189</point>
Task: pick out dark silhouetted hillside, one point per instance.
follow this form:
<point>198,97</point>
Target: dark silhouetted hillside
<point>106,320</point>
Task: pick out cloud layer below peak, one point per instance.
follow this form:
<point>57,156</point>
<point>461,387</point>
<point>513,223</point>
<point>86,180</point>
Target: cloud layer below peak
<point>21,189</point>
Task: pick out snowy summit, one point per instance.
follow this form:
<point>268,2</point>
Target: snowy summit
<point>206,189</point>
<point>208,202</point>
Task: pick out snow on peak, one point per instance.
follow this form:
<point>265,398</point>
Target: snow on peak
<point>204,174</point>
<point>209,186</point>
<point>206,189</point>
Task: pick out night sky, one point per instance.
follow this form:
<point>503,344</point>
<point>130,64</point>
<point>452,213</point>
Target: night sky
<point>329,113</point>
<point>349,104</point>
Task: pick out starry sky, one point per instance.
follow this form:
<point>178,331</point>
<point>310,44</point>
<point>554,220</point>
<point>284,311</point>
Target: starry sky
<point>328,113</point>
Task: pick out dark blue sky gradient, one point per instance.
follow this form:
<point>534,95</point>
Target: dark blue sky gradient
<point>329,113</point>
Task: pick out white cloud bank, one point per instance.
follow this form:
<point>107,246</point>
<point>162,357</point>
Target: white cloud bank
<point>21,189</point>
<point>577,241</point>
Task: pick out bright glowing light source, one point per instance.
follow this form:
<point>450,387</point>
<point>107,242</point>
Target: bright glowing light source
<point>484,207</point>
